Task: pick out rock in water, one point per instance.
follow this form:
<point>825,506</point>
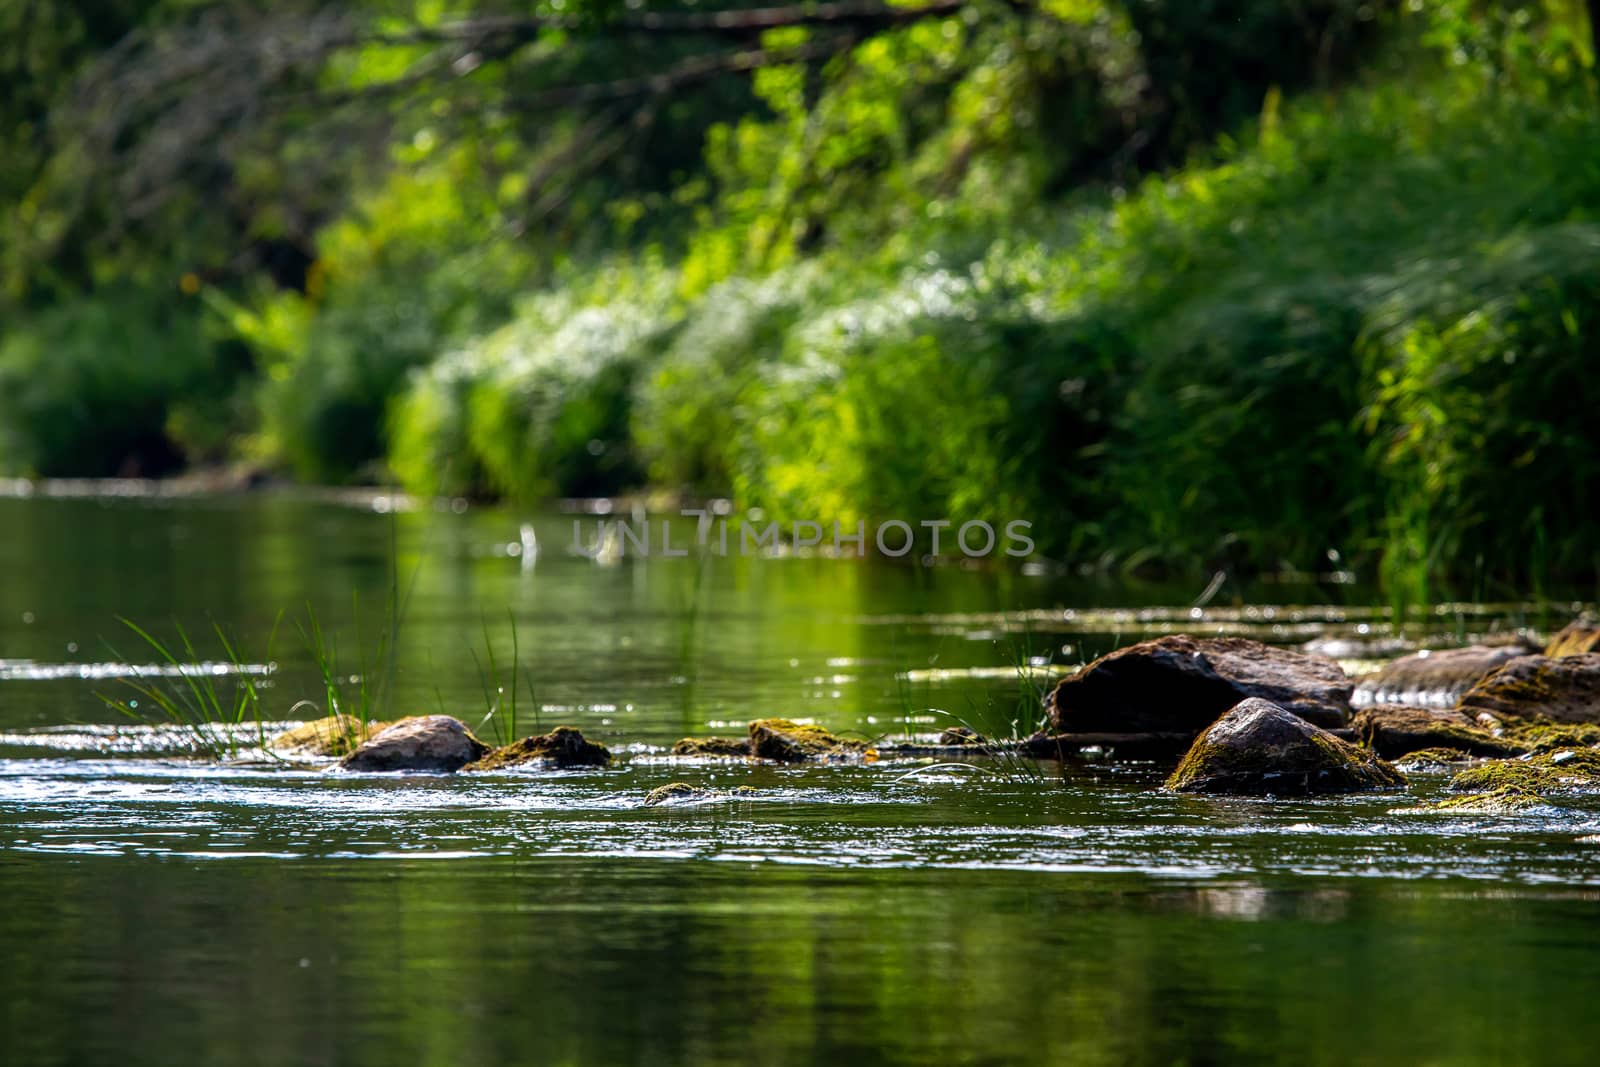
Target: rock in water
<point>793,742</point>
<point>436,743</point>
<point>712,746</point>
<point>1576,638</point>
<point>1181,683</point>
<point>1433,678</point>
<point>564,746</point>
<point>1531,687</point>
<point>1260,749</point>
<point>1393,731</point>
<point>336,735</point>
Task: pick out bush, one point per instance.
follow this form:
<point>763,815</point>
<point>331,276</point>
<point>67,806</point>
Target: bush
<point>120,383</point>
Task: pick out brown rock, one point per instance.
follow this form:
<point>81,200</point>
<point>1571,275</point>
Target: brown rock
<point>1392,731</point>
<point>436,743</point>
<point>1538,687</point>
<point>792,742</point>
<point>1182,684</point>
<point>712,746</point>
<point>1433,677</point>
<point>564,746</point>
<point>1260,749</point>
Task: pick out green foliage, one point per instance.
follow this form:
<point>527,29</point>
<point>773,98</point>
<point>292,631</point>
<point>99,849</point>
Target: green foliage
<point>125,382</point>
<point>542,406</point>
<point>1227,281</point>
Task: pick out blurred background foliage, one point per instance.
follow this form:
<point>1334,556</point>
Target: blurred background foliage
<point>1243,283</point>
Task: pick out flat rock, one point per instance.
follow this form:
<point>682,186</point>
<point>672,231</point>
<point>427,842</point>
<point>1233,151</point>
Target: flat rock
<point>1434,678</point>
<point>1182,684</point>
<point>565,746</point>
<point>1261,749</point>
<point>437,743</point>
<point>1563,690</point>
<point>1393,731</point>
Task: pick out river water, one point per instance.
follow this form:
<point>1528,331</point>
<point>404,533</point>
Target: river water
<point>162,909</point>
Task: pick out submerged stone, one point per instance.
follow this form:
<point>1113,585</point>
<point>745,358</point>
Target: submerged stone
<point>437,743</point>
<point>683,793</point>
<point>1260,749</point>
<point>336,735</point>
<point>1539,687</point>
<point>1574,639</point>
<point>565,746</point>
<point>1433,677</point>
<point>1507,800</point>
<point>1392,731</point>
<point>1182,684</point>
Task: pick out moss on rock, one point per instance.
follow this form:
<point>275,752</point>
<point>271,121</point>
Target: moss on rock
<point>1260,749</point>
<point>565,746</point>
<point>786,741</point>
<point>329,738</point>
<point>1561,771</point>
<point>1430,758</point>
<point>1574,639</point>
<point>1393,731</point>
<point>1506,800</point>
<point>721,747</point>
<point>683,793</point>
<point>1540,688</point>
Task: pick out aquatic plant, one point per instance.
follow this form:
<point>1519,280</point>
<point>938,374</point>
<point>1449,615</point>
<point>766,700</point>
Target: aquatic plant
<point>188,695</point>
<point>498,698</point>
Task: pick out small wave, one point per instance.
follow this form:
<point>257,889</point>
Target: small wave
<point>27,670</point>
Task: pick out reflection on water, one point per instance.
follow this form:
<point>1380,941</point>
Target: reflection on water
<point>162,910</point>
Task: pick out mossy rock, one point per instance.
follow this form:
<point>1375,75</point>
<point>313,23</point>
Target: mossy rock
<point>785,741</point>
<point>1507,800</point>
<point>1534,738</point>
<point>781,740</point>
<point>684,793</point>
<point>1437,677</point>
<point>962,736</point>
<point>1574,639</point>
<point>1182,684</point>
<point>1549,773</point>
<point>329,738</point>
<point>565,746</point>
<point>1432,759</point>
<point>1540,688</point>
<point>431,743</point>
<point>1260,749</point>
<point>721,747</point>
<point>1393,731</point>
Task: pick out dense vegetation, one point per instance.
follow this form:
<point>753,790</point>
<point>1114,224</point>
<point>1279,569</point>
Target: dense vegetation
<point>1230,281</point>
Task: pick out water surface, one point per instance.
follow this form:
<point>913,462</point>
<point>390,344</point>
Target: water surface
<point>164,910</point>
